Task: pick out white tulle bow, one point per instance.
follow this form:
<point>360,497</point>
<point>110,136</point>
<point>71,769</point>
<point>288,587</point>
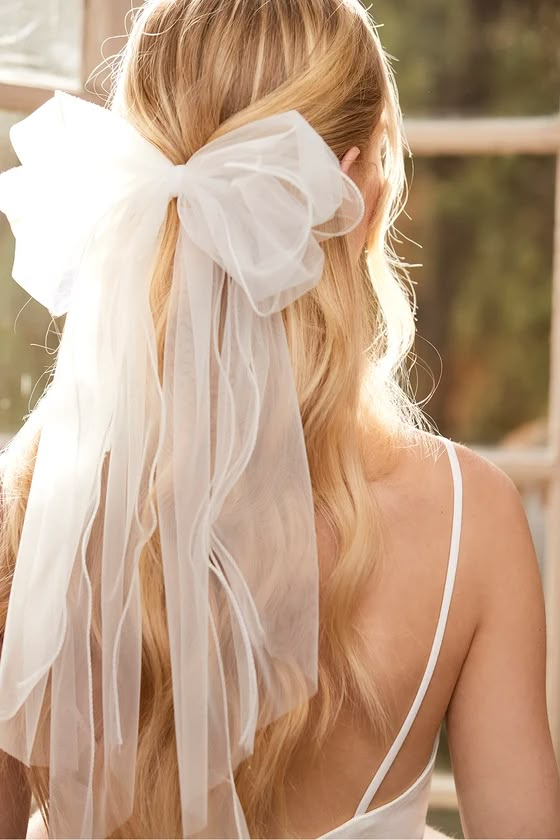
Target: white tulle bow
<point>206,445</point>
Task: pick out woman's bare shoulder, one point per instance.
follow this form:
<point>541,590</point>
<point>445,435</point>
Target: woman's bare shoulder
<point>494,530</point>
<point>420,460</point>
<point>491,501</point>
<point>495,533</point>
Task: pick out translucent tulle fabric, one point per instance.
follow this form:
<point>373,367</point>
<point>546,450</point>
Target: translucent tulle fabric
<point>210,450</point>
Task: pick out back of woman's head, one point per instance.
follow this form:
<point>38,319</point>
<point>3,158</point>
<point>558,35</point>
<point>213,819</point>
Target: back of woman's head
<point>194,69</point>
<point>191,71</point>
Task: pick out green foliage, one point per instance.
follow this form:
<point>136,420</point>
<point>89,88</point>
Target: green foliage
<point>496,57</point>
<point>485,224</point>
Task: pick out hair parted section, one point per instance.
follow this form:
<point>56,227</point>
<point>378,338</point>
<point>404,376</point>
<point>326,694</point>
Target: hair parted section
<point>191,71</point>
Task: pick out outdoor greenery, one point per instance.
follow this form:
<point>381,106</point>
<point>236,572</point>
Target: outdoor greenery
<point>485,224</point>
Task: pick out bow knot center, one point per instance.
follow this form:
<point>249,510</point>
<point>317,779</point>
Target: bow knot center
<point>177,180</point>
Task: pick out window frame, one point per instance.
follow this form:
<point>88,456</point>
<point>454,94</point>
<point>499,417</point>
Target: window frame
<point>102,20</point>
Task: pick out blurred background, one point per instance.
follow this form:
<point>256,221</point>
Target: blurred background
<point>485,223</point>
<point>481,226</point>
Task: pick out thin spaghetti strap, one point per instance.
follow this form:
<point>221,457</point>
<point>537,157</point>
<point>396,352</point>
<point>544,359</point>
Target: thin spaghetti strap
<point>436,646</point>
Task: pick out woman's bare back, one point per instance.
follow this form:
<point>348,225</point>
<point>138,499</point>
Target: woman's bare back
<point>398,615</point>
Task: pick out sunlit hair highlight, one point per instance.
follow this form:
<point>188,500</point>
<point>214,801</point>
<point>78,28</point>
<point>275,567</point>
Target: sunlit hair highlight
<point>191,71</point>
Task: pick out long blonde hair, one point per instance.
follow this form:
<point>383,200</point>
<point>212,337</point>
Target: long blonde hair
<point>191,71</point>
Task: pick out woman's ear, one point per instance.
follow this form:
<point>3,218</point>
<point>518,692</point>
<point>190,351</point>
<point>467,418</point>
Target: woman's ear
<point>349,158</point>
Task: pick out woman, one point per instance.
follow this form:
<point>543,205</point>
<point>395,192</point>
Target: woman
<point>431,606</point>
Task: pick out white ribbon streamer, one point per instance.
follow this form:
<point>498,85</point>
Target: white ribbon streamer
<point>218,440</point>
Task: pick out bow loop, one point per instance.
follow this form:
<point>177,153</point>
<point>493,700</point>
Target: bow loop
<point>280,176</point>
<point>80,164</point>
